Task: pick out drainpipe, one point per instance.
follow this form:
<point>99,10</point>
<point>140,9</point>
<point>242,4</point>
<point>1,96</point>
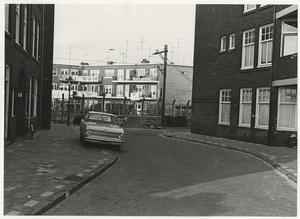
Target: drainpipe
<point>271,78</point>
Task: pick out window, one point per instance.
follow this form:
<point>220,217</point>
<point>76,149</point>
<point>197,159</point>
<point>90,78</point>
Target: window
<point>54,86</point>
<point>127,76</point>
<point>224,108</point>
<point>127,89</point>
<point>13,103</point>
<point>287,109</point>
<point>265,45</point>
<point>35,94</point>
<point>262,108</point>
<point>95,73</point>
<point>54,72</point>
<point>108,90</point>
<point>120,75</point>
<point>17,36</point>
<point>64,71</point>
<point>153,74</point>
<point>25,28</point>
<point>33,36</point>
<point>119,90</point>
<point>74,71</point>
<point>153,91</point>
<point>245,107</point>
<point>248,49</point>
<point>289,37</point>
<point>7,18</point>
<point>249,7</point>
<point>109,73</point>
<point>232,41</point>
<point>85,72</point>
<point>140,72</point>
<point>223,44</point>
<point>37,40</point>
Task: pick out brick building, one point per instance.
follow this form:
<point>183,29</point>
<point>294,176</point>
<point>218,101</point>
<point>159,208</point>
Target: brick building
<point>245,72</point>
<point>135,82</point>
<point>28,67</point>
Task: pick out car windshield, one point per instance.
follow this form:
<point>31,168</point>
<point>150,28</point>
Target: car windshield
<point>95,117</point>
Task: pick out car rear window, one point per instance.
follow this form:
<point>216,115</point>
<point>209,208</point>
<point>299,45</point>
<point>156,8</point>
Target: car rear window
<point>101,118</point>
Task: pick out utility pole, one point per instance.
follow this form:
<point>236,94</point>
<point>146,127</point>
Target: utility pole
<point>164,72</point>
<point>126,51</point>
<point>178,51</point>
<point>142,48</point>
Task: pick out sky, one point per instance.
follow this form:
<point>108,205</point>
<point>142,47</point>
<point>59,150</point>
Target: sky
<point>124,33</point>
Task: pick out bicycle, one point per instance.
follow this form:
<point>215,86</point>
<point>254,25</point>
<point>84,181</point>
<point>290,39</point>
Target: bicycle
<point>30,127</point>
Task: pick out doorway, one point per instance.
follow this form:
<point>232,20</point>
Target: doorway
<point>21,105</point>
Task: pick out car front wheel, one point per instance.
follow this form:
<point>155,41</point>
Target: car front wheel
<point>118,148</point>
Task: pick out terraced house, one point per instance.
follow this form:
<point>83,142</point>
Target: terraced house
<point>28,67</point>
<point>106,87</point>
<point>245,72</point>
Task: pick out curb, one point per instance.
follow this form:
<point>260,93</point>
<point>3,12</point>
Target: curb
<point>71,191</point>
<point>276,166</point>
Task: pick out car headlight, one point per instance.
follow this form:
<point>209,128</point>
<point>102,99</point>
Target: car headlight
<point>121,136</point>
<point>88,132</point>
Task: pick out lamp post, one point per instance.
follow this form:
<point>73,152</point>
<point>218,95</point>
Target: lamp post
<point>165,51</point>
<point>69,85</point>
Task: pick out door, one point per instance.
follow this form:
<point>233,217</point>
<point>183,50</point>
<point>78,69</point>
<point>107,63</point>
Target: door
<point>21,105</point>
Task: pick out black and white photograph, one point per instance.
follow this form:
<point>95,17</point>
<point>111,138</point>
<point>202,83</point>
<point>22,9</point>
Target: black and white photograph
<point>149,109</point>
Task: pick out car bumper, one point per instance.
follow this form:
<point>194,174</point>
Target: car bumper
<point>104,141</point>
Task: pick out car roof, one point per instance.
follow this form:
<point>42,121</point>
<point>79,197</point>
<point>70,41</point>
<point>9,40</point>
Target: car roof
<point>102,113</point>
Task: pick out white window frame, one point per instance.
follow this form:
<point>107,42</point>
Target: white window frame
<point>7,18</point>
<point>94,73</point>
<point>284,34</point>
<point>248,41</point>
<point>127,74</point>
<point>258,102</point>
<point>225,98</point>
<point>35,96</point>
<point>245,100</point>
<point>223,44</point>
<point>17,35</point>
<point>280,104</point>
<point>30,96</point>
<point>108,90</point>
<point>37,41</point>
<point>231,41</point>
<point>13,102</point>
<point>120,90</point>
<point>33,35</point>
<point>109,73</point>
<point>25,27</point>
<point>74,71</point>
<point>127,90</point>
<point>120,75</point>
<point>140,72</point>
<point>249,7</point>
<point>64,71</point>
<point>153,90</point>
<point>268,42</point>
<point>153,73</point>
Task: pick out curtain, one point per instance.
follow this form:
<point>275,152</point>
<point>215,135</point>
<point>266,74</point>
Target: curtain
<point>263,117</point>
<point>246,116</point>
<point>287,114</point>
<point>225,114</point>
<point>290,44</point>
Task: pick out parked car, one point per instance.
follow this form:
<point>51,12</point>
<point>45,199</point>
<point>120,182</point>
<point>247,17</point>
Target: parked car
<point>102,128</point>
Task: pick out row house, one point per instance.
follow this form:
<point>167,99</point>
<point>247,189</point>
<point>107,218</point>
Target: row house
<point>245,72</point>
<point>29,32</point>
<point>137,83</point>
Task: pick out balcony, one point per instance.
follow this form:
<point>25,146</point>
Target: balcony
<point>84,79</point>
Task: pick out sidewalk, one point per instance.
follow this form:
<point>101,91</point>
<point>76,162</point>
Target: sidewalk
<point>40,173</point>
<point>283,159</point>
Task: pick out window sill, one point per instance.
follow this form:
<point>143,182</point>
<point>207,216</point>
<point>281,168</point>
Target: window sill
<point>222,52</point>
<point>246,70</point>
<point>264,67</point>
<point>231,50</point>
<point>223,123</point>
<point>287,129</point>
<point>250,11</point>
<point>244,126</point>
<point>261,127</point>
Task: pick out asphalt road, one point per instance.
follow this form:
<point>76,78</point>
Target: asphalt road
<point>158,176</point>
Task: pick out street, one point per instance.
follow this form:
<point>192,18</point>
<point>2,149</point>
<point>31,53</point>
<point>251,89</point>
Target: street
<point>158,176</point>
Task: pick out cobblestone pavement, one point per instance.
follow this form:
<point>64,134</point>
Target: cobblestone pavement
<point>41,172</point>
<point>284,159</point>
